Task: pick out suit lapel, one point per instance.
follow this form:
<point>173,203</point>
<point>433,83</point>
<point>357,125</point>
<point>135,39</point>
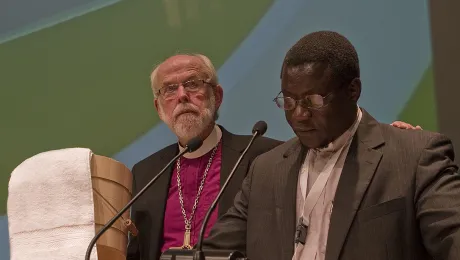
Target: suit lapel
<point>285,188</point>
<point>159,193</point>
<point>231,150</point>
<point>360,165</point>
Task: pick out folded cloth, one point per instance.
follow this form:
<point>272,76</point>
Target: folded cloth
<point>50,206</point>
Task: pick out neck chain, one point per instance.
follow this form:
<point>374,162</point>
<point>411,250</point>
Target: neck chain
<point>188,222</point>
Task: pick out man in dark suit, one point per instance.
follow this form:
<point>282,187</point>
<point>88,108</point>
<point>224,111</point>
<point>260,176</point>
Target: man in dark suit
<point>170,213</point>
<point>347,187</point>
<point>187,98</point>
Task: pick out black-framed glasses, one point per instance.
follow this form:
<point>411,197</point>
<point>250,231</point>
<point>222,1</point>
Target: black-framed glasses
<point>314,101</point>
<point>190,86</point>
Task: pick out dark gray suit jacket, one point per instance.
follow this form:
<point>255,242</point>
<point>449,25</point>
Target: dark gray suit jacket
<point>148,211</point>
<point>398,198</point>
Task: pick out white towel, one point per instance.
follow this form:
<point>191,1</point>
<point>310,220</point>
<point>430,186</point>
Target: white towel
<point>50,206</point>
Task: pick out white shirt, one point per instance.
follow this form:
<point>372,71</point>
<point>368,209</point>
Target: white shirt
<point>208,144</point>
<point>313,166</point>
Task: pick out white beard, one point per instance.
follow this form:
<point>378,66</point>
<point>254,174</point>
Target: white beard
<point>189,125</point>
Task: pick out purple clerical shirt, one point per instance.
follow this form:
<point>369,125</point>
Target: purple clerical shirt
<point>191,174</point>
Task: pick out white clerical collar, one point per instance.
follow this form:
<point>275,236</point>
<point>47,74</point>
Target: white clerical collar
<point>208,144</point>
<point>342,139</point>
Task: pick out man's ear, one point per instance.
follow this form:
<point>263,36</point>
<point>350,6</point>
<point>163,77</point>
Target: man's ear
<point>354,89</point>
<point>155,103</point>
<point>219,95</point>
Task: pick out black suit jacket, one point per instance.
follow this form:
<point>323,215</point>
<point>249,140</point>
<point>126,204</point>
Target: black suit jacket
<point>148,212</point>
<point>398,198</point>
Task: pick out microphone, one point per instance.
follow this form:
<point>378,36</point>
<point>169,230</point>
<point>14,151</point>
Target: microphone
<point>258,130</point>
<point>191,146</point>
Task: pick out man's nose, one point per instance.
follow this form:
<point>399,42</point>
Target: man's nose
<point>182,94</point>
<point>301,113</point>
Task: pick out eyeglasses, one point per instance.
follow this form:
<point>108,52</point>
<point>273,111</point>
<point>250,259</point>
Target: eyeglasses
<point>190,86</point>
<point>310,101</point>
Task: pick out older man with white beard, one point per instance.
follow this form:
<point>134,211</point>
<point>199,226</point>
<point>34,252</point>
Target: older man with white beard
<point>187,97</point>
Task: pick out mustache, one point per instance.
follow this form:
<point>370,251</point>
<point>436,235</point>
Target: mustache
<point>185,108</point>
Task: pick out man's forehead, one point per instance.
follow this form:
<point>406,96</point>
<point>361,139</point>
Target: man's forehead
<point>179,66</point>
<point>317,70</point>
<point>310,77</point>
<point>177,63</point>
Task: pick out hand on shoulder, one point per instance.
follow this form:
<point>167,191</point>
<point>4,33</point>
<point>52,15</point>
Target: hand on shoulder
<point>404,125</point>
